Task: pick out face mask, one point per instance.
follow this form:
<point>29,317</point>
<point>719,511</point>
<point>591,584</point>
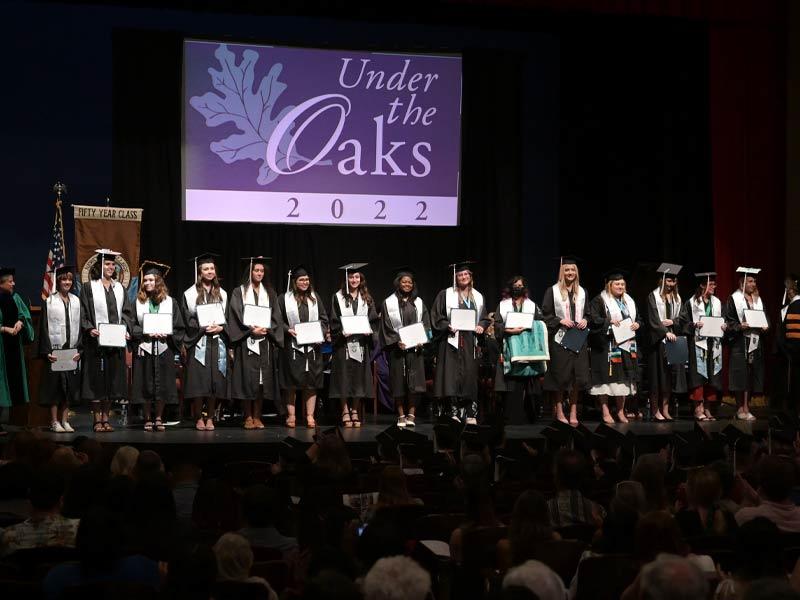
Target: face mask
<point>517,292</point>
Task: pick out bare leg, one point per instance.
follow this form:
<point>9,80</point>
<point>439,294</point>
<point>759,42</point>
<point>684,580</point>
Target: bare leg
<point>621,409</point>
<point>607,418</point>
<point>288,400</point>
<point>211,403</point>
<point>557,400</point>
<point>355,417</point>
<point>310,397</point>
<point>665,406</point>
<point>654,409</point>
<point>573,406</point>
<point>53,413</point>
<point>258,405</point>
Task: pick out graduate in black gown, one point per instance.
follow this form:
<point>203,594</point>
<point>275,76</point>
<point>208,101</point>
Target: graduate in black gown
<point>508,386</point>
<point>255,362</point>
<point>663,309</point>
<point>704,370</point>
<point>301,364</point>
<point>456,377</point>
<point>406,365</point>
<point>746,357</point>
<point>565,307</point>
<point>351,366</point>
<point>103,300</point>
<point>789,347</point>
<point>154,373</point>
<point>207,358</point>
<point>60,329</point>
<point>615,367</point>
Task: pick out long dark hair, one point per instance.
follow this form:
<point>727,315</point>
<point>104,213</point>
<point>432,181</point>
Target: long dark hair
<point>247,277</point>
<point>96,272</point>
<point>362,289</point>
<point>300,295</point>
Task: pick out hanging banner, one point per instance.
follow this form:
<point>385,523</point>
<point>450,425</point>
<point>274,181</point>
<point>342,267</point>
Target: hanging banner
<point>113,228</point>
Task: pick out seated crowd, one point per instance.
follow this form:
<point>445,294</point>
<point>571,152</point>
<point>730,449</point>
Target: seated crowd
<point>90,520</point>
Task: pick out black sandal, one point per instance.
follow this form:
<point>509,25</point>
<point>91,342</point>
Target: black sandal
<point>97,427</point>
<point>160,425</point>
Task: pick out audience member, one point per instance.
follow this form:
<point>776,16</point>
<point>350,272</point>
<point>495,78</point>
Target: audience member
<point>260,506</point>
<point>331,585</point>
<point>758,550</point>
<point>147,463</point>
<point>185,479</point>
<point>776,480</point>
<point>45,527</point>
<point>529,526</point>
<point>703,515</point>
<point>651,471</point>
<point>124,461</point>
<point>397,578</point>
<point>569,506</point>
<point>538,578</point>
<point>65,461</point>
<point>234,561</point>
<point>671,577</point>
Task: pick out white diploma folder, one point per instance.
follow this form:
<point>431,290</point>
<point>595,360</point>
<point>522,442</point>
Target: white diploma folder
<point>64,360</point>
<point>257,316</point>
<point>309,333</point>
<point>515,320</point>
<point>412,335</point>
<point>463,319</point>
<point>356,325</point>
<point>112,335</point>
<point>623,332</point>
<point>157,324</point>
<point>756,318</point>
<point>712,327</point>
<point>210,314</point>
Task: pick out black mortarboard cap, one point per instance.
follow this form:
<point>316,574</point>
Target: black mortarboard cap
<point>104,254</point>
<point>7,271</point>
<point>150,267</point>
<point>615,273</point>
<point>62,270</point>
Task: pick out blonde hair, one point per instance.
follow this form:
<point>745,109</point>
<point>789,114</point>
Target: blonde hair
<point>124,461</point>
<point>608,286</point>
<point>562,283</point>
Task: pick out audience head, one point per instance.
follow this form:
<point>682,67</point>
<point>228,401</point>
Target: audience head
<point>530,519</point>
<point>629,498</point>
<point>234,557</point>
<point>758,550</point>
<point>776,478</point>
<point>147,463</point>
<point>333,458</point>
<point>538,578</point>
<point>671,577</point>
<point>705,487</point>
<point>392,487</point>
<point>657,532</point>
<point>259,506</point>
<point>90,448</point>
<point>570,469</point>
<point>47,490</point>
<point>65,460</point>
<point>397,578</point>
<point>124,461</point>
<point>650,471</point>
<point>215,507</point>
<point>185,472</point>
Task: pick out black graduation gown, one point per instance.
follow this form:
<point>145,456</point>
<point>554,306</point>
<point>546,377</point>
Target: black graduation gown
<point>350,378</point>
<point>250,369</point>
<point>694,379</point>
<point>745,371</point>
<point>145,366</point>
<point>502,383</point>
<point>788,343</point>
<point>456,368</point>
<point>57,387</point>
<point>566,369</point>
<point>600,337</point>
<point>204,380</point>
<point>406,367</point>
<point>662,377</point>
<point>301,370</point>
<point>103,370</point>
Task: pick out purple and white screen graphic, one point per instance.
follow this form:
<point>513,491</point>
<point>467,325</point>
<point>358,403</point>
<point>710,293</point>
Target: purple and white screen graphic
<point>296,135</point>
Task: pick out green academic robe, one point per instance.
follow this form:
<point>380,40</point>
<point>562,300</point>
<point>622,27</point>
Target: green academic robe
<point>13,374</point>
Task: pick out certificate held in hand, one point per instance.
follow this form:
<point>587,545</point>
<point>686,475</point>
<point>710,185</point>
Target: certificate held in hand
<point>623,331</point>
<point>257,316</point>
<point>157,324</point>
<point>463,319</point>
<point>515,320</point>
<point>413,335</point>
<point>756,318</point>
<point>64,360</point>
<point>210,314</point>
<point>309,333</point>
<point>112,335</point>
<point>712,327</point>
<point>356,325</point>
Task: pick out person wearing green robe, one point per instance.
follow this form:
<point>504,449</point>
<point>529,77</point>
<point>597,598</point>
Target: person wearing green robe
<point>16,329</point>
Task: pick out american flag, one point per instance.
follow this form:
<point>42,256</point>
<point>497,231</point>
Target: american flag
<point>56,255</point>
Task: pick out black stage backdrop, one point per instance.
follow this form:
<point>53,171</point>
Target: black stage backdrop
<point>610,162</point>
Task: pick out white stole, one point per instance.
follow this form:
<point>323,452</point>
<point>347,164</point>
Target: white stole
<point>353,347</point>
<point>561,308</point>
<point>190,295</point>
<point>293,315</point>
<point>57,321</point>
<point>393,308</point>
<point>99,300</point>
<point>507,306</point>
<point>166,306</point>
<point>452,298</point>
<point>248,297</point>
<point>661,306</point>
<point>615,313</point>
<point>698,311</point>
<point>741,305</point>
